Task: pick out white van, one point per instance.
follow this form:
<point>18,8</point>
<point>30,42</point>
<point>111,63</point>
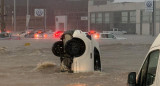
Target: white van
<point>149,73</point>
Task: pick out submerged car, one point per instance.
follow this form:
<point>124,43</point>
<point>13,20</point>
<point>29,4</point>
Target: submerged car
<point>39,34</point>
<point>29,34</point>
<point>149,73</point>
<point>97,35</point>
<point>34,34</point>
<point>8,36</point>
<point>78,52</point>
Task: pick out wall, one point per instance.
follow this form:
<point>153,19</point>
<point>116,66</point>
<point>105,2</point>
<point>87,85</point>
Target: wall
<point>141,27</point>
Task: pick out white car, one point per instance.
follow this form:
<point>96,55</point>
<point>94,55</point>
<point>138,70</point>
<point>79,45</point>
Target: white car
<point>78,52</point>
<point>109,36</point>
<point>149,73</point>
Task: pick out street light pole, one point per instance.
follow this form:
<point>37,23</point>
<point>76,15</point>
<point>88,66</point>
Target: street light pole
<point>2,16</point>
<point>45,19</point>
<point>27,16</point>
<point>14,15</point>
<point>27,7</point>
<point>153,18</point>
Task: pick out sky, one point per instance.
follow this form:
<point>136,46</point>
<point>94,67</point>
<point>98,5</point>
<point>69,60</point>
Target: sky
<point>129,0</point>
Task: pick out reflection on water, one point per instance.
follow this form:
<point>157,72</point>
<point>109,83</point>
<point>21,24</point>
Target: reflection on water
<point>77,84</point>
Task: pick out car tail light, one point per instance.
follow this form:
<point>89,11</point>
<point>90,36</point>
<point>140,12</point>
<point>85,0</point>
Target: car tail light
<point>39,32</point>
<point>96,36</point>
<point>8,31</point>
<point>36,35</point>
<point>58,34</point>
<point>45,35</point>
<point>91,32</point>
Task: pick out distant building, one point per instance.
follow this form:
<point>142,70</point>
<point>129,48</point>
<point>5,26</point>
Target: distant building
<point>73,9</point>
<point>104,15</point>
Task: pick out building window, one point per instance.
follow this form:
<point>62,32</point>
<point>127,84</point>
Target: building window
<point>146,17</point>
<point>99,2</point>
<point>133,17</point>
<point>99,18</point>
<point>106,18</point>
<point>93,17</point>
<point>124,17</point>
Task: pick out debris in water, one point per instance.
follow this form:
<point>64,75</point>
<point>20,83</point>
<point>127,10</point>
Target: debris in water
<point>27,44</point>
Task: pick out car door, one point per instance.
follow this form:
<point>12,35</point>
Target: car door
<point>148,72</point>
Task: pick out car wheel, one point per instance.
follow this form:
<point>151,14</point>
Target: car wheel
<point>57,48</point>
<point>75,47</point>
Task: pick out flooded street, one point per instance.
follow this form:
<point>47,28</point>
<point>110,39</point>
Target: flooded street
<point>19,63</point>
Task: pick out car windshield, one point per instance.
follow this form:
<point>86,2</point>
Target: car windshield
<point>75,42</point>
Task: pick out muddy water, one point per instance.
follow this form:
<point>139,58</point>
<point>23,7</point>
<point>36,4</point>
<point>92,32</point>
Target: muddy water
<point>17,67</point>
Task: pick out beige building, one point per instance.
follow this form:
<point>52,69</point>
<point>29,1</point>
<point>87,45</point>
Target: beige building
<point>126,16</point>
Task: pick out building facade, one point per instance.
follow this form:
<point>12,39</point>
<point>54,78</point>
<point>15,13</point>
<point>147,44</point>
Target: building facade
<point>126,16</point>
<point>73,9</point>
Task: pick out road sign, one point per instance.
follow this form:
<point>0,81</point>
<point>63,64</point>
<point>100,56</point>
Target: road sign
<point>39,12</point>
<point>149,5</point>
<point>84,18</point>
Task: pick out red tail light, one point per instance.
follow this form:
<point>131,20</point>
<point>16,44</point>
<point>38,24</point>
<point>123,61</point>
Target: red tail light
<point>58,34</point>
<point>39,32</point>
<point>45,35</point>
<point>8,31</point>
<point>36,35</point>
<point>96,36</point>
<point>91,32</point>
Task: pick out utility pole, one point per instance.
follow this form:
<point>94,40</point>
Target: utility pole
<point>14,15</point>
<point>27,7</point>
<point>2,17</point>
<point>153,19</point>
<point>45,18</point>
<point>27,16</point>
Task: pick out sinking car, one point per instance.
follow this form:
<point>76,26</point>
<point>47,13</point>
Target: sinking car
<point>78,52</point>
<point>149,73</point>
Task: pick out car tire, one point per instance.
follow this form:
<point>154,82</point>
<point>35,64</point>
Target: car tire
<point>58,49</point>
<point>75,47</point>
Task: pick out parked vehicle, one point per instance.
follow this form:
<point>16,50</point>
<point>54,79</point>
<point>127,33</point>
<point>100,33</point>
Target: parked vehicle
<point>29,34</point>
<point>116,31</point>
<point>110,36</point>
<point>97,35</point>
<point>58,34</point>
<point>8,36</point>
<point>149,73</point>
<point>39,34</point>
